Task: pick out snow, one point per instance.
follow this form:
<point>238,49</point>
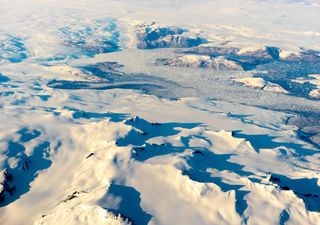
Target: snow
<point>195,58</point>
<point>315,93</point>
<point>255,82</point>
<point>81,214</point>
<point>75,168</point>
<point>260,83</point>
<point>200,61</point>
<point>286,54</point>
<point>247,50</point>
<point>313,79</point>
<point>140,143</point>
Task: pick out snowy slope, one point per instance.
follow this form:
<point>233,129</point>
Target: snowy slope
<point>148,112</point>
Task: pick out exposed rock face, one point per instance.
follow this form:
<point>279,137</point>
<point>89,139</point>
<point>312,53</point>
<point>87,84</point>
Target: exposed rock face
<point>307,55</point>
<point>91,39</point>
<point>108,67</point>
<point>6,185</point>
<point>272,87</point>
<point>313,79</point>
<point>197,61</point>
<point>82,214</point>
<point>152,36</point>
<point>102,71</point>
<point>248,58</point>
<point>266,53</point>
<point>263,54</point>
<point>304,188</point>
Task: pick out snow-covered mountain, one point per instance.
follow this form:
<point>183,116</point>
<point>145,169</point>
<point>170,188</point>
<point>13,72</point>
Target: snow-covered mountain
<point>149,112</point>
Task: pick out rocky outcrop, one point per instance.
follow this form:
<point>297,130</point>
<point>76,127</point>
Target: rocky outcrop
<point>102,36</point>
<point>249,58</point>
<point>262,54</point>
<point>198,61</point>
<point>152,36</point>
<point>306,55</point>
<point>105,67</point>
<point>265,53</point>
<point>6,185</point>
<point>313,79</point>
<point>82,214</point>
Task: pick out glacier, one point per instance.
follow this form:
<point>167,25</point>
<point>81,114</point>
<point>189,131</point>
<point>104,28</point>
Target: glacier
<point>159,112</point>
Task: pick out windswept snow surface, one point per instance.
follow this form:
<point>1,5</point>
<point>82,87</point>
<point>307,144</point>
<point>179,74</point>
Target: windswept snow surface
<point>159,112</point>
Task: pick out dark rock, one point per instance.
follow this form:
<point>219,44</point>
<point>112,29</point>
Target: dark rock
<point>91,154</point>
<point>285,188</point>
<point>151,36</point>
<point>266,53</point>
<point>304,188</point>
<point>198,61</point>
<point>197,152</point>
<point>99,37</point>
<point>7,186</point>
<point>72,196</point>
<point>138,149</point>
<point>274,179</point>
